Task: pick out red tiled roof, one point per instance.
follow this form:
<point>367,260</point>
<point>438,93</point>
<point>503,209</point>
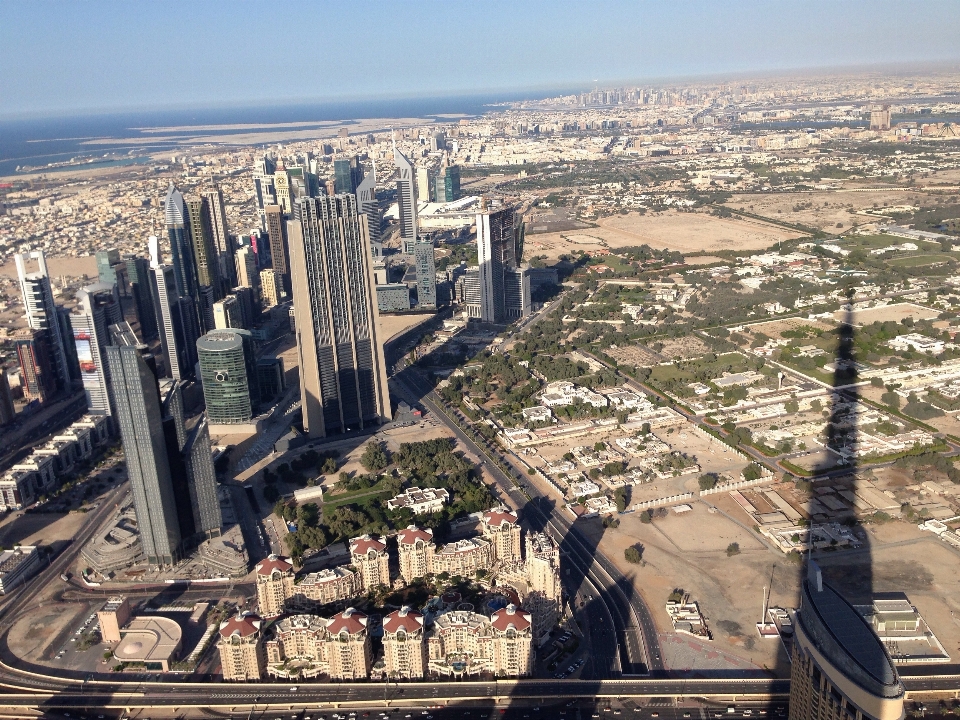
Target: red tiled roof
<point>498,517</point>
<point>242,625</point>
<point>511,615</point>
<point>274,562</point>
<point>410,535</point>
<point>351,620</point>
<point>405,619</point>
<point>364,544</point>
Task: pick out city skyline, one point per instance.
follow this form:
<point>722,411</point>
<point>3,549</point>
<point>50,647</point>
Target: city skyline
<point>102,49</point>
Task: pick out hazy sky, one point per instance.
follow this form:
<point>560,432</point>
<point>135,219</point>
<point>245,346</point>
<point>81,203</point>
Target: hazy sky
<point>57,57</point>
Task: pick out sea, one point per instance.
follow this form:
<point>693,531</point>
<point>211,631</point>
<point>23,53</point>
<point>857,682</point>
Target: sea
<point>38,141</point>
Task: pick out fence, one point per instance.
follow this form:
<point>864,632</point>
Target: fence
<point>671,500</point>
<point>765,478</point>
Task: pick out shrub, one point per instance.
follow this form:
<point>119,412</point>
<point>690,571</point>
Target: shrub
<point>733,549</point>
<point>633,555</point>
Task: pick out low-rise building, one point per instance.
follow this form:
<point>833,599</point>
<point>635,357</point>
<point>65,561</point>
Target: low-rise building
<point>17,566</point>
<point>419,501</point>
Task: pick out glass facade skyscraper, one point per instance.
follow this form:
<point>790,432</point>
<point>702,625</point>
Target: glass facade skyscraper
<point>141,428</point>
<point>228,372</point>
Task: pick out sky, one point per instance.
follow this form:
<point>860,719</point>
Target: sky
<point>59,57</point>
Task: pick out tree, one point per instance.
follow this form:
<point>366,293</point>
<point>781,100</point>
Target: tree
<point>646,516</point>
<point>620,498</point>
<point>329,466</point>
<point>599,446</point>
<point>752,472</point>
<point>594,473</point>
<point>791,406</point>
<point>890,398</point>
<point>707,481</point>
<point>733,549</point>
<point>633,555</point>
<point>271,494</point>
<point>374,457</point>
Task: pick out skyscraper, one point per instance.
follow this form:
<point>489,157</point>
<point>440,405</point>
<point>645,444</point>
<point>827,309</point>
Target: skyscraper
<point>840,667</point>
<point>406,200</point>
<point>426,273</point>
<point>138,272</point>
<point>7,411</point>
<point>347,174</point>
<point>202,481</point>
<point>38,378</point>
<point>98,307</point>
<point>41,311</point>
<point>179,326</point>
<point>448,184</point>
<point>144,445</point>
<point>221,237</point>
<point>228,371</point>
<point>181,245</point>
<point>247,275</point>
<point>226,313</point>
<point>205,253</point>
<point>279,251</point>
<point>343,372</point>
<point>271,288</point>
<point>368,206</point>
<point>494,253</point>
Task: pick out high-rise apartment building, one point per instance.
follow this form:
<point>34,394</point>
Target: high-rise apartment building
<point>275,583</point>
<point>41,311</point>
<point>840,667</point>
<point>416,549</point>
<point>426,273</point>
<point>406,200</point>
<point>229,376</point>
<point>98,307</point>
<point>138,413</point>
<point>341,356</point>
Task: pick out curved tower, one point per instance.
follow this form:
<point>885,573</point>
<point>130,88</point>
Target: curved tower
<point>840,668</point>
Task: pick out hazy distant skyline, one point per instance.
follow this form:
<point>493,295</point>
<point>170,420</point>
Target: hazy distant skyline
<point>61,57</point>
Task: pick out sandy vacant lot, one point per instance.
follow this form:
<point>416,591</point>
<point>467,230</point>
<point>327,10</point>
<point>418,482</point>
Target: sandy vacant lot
<point>824,209</point>
<point>391,325</point>
<point>684,232</point>
<point>896,312</point>
<point>689,551</point>
<point>57,266</point>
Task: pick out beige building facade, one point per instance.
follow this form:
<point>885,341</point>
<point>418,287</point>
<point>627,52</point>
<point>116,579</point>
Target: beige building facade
<point>369,555</point>
<point>242,656</point>
<point>275,583</point>
<point>404,645</point>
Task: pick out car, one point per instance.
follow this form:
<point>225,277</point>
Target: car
<point>686,714</point>
<point>294,688</point>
